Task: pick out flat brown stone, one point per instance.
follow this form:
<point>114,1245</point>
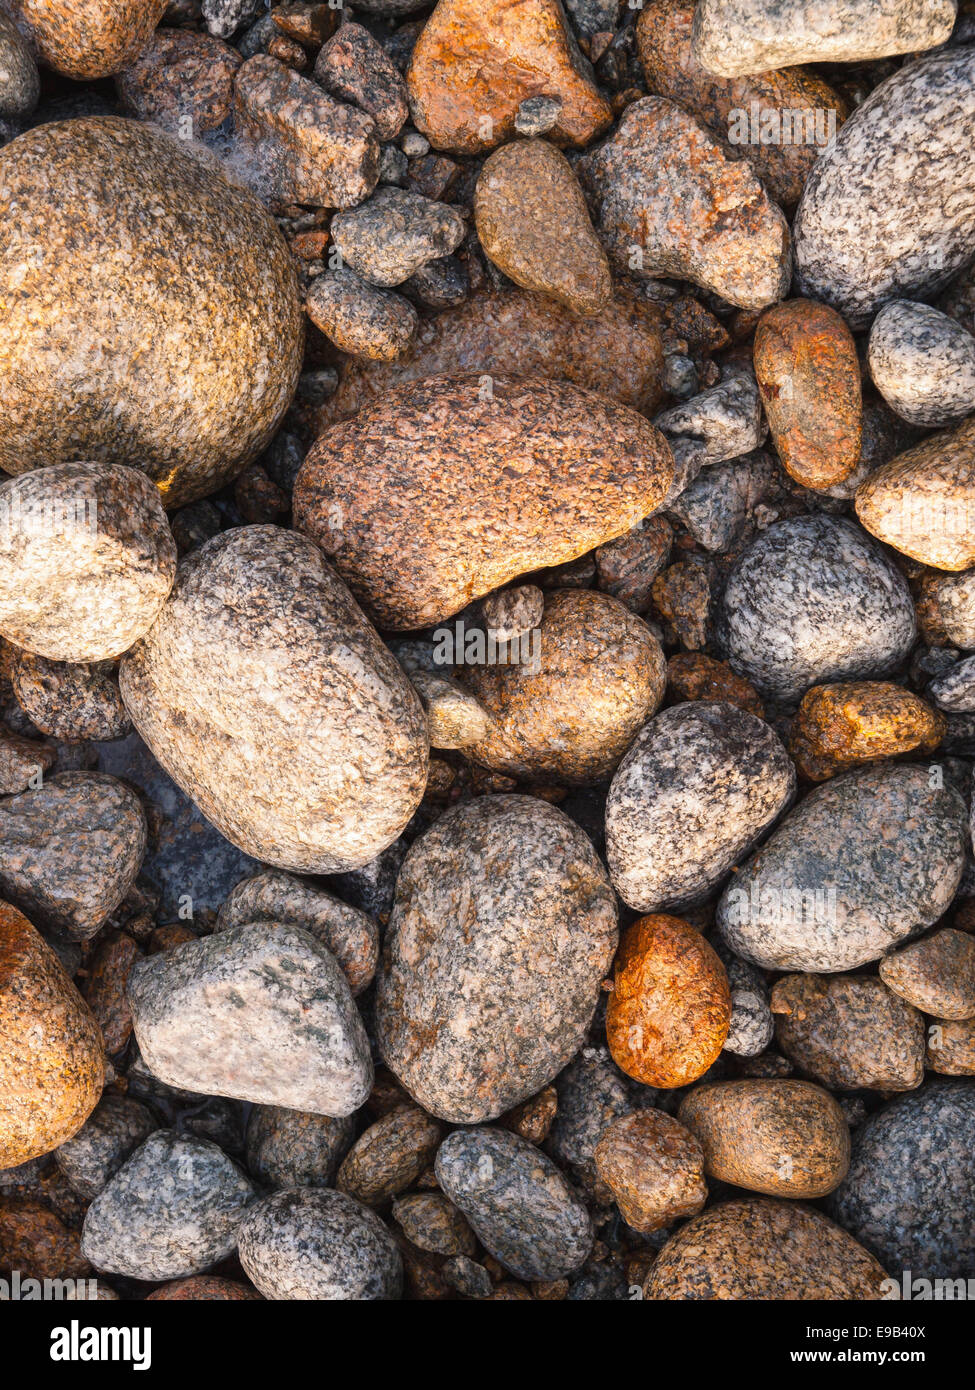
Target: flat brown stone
<point>654,1168</point>
<point>182,81</point>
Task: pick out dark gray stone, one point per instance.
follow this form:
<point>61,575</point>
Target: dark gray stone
<point>955,690</point>
<point>390,236</point>
<point>116,1126</point>
<point>291,1148</point>
<point>592,1092</point>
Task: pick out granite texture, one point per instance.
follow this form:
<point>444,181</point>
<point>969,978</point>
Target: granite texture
<point>955,690</point>
<point>390,1156</point>
<point>292,1148</point>
<point>354,67</point>
<point>840,726</point>
<point>752,1027</point>
<point>19,82</point>
<point>116,1126</point>
<point>85,39</point>
<point>936,974</point>
<point>181,81</point>
<point>654,1168</point>
<point>360,318</point>
<point>69,700</point>
<point>430,1221</point>
<point>390,236</point>
<point>922,363</point>
<point>591,1093</point>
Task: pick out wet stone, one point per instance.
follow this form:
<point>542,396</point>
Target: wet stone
<point>390,1156</point>
<point>69,700</point>
<point>654,1168</point>
<point>922,363</point>
<point>360,318</point>
<point>354,67</point>
<point>292,1148</point>
<point>936,975</point>
<point>839,726</point>
<point>390,236</point>
<point>182,81</point>
<point>117,1126</point>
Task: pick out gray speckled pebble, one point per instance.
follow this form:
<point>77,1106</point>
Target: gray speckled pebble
<point>517,1201</point>
<point>360,318</point>
<point>752,1025</point>
<point>291,1148</point>
<point>726,420</point>
<point>717,504</point>
<point>700,785</point>
<point>814,599</point>
<point>172,1210</point>
<point>922,363</point>
<point>19,83</point>
<point>388,237</point>
<point>313,1243</point>
<point>116,1126</point>
<point>955,690</point>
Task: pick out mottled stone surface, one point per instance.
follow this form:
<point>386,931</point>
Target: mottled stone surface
<point>390,1156</point>
<point>592,1092</point>
<point>721,423</point>
<point>91,38</point>
<point>355,67</point>
<point>116,1126</point>
<point>197,378</point>
<point>533,222</point>
<point>837,885</point>
<point>292,1148</point>
<point>947,601</point>
<point>672,202</point>
<point>814,599</point>
<point>911,1186</point>
<point>261,641</point>
<point>752,1027</point>
<point>668,1015</point>
<point>261,1013</point>
<point>172,1210</point>
<point>503,927</point>
<point>654,1168</point>
<point>951,1047</point>
<point>520,1206</point>
<point>699,787</point>
<point>510,613</point>
<point>936,975</point>
<point>51,1062</point>
<point>205,1288</point>
<point>476,61</point>
<point>35,1243</point>
<point>395,232</point>
<point>759,1248</point>
<point>838,726</point>
<point>955,690</point>
<point>432,1222</point>
<point>108,971</point>
<point>182,81</point>
<point>86,559</point>
<point>360,318</point>
<point>578,470</point>
<point>321,1245</point>
<point>695,676</point>
<point>889,209</point>
<point>69,700</point>
<point>23,762</point>
<point>922,363</point>
<point>19,83</point>
<point>70,850</point>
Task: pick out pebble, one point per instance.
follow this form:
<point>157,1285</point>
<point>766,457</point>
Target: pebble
<point>724,422</point>
<point>105,988</point>
<point>225,17</point>
<point>431,1221</point>
<point>948,602</point>
<point>696,676</point>
<point>722,501</point>
<point>338,726</point>
<point>35,1244</point>
<point>836,886</point>
<point>951,1047</point>
<point>700,786</point>
<point>313,1243</point>
<point>22,762</point>
<point>476,61</point>
<point>936,974</point>
<point>814,599</point>
<point>440,284</point>
<point>390,1156</point>
<point>69,700</point>
<point>260,1013</point>
<point>307,23</point>
<point>654,1168</point>
<point>390,236</point>
<point>520,1206</point>
<point>354,67</point>
<point>922,363</point>
<point>537,115</point>
<point>592,1092</point>
<point>838,727</point>
<point>752,1027</point>
<point>94,39</point>
<point>627,567</point>
<point>292,1148</point>
<point>173,1209</point>
<point>360,318</point>
<point>51,1061</point>
<point>533,222</point>
<point>117,1126</point>
<point>503,913</point>
<point>182,81</point>
<point>955,690</point>
<point>203,1288</point>
<point>19,83</point>
<point>511,613</point>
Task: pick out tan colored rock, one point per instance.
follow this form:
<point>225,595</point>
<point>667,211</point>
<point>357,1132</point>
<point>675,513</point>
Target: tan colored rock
<point>654,1168</point>
<point>182,81</point>
<point>390,1156</point>
<point>950,1047</point>
<point>840,726</point>
<point>936,974</point>
<point>86,39</point>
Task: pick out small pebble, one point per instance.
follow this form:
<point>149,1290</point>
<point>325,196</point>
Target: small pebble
<point>360,318</point>
<point>654,1168</point>
<point>922,363</point>
<point>390,236</point>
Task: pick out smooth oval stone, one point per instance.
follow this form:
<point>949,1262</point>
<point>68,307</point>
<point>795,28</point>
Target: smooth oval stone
<point>922,363</point>
<point>566,469</point>
<point>85,39</point>
<point>504,925</point>
<point>518,1203</point>
<point>699,787</point>
<point>19,82</point>
<point>188,384</point>
<point>889,209</point>
<point>390,1156</point>
<point>834,887</point>
<point>910,1190</point>
<point>293,1148</point>
<point>936,975</point>
<point>266,695</point>
<point>814,599</point>
<point>69,700</point>
<point>313,1243</point>
<point>654,1168</point>
<point>361,318</point>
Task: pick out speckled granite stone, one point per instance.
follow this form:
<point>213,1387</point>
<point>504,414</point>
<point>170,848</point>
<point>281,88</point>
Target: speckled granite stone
<point>654,1168</point>
<point>182,81</point>
<point>258,1012</point>
<point>955,690</point>
<point>936,975</point>
<point>838,726</point>
<point>390,1155</point>
<point>592,1092</point>
<point>19,83</point>
<point>922,363</point>
<point>889,209</point>
<point>724,422</point>
<point>948,602</point>
<point>69,700</point>
<point>197,377</point>
<point>23,761</point>
<point>698,788</point>
<point>814,599</point>
<point>203,1288</point>
<point>317,1244</point>
<point>503,927</point>
<point>390,236</point>
<point>360,318</point>
<point>116,1126</point>
<point>269,699</point>
<point>752,1027</point>
<point>832,889</point>
<point>950,1047</point>
<point>172,1210</point>
<point>292,1148</point>
<point>355,67</point>
<point>520,1206</point>
<point>91,38</point>
<point>432,1222</point>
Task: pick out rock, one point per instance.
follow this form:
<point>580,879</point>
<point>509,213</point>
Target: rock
<point>948,601</point>
<point>19,82</point>
<point>302,145</point>
<point>510,916</point>
<point>68,700</point>
<point>440,284</point>
<point>921,501</point>
<point>722,501</point>
<point>537,115</point>
<point>312,1243</point>
<point>93,38</point>
<point>105,988</point>
<point>520,1206</point>
<point>338,724</point>
<point>455,717</point>
<point>511,613</point>
<point>889,209</point>
<point>911,1184</point>
<point>695,676</point>
<point>476,61</point>
<point>116,1126</point>
<point>182,81</point>
<point>533,222</point>
<point>742,36</point>
<point>839,726</point>
<point>225,17</point>
<point>922,363</point>
<point>390,236</point>
<point>291,1148</point>
<point>260,1013</point>
<point>86,559</point>
<point>350,935</point>
<point>51,1061</point>
<point>758,1248</point>
<point>197,379</point>
<point>808,374</point>
<point>433,1223</point>
<point>173,1209</point>
<point>829,891</point>
<point>654,1168</point>
<point>468,1277</point>
<point>354,67</point>
<point>70,850</point>
<point>849,1032</point>
<point>813,599</point>
<point>672,202</point>
<point>204,1287</point>
<point>627,567</point>
<point>724,422</point>
<point>580,469</point>
<point>668,1015</point>
<point>951,1047</point>
<point>752,1027</point>
<point>22,762</point>
<point>955,690</point>
<point>783,1138</point>
<point>361,318</point>
<point>390,1156</point>
<point>35,1244</point>
<point>592,1092</point>
<point>936,975</point>
<point>698,789</point>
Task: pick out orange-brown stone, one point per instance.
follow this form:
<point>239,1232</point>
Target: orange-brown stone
<point>840,726</point>
<point>91,38</point>
<point>695,676</point>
